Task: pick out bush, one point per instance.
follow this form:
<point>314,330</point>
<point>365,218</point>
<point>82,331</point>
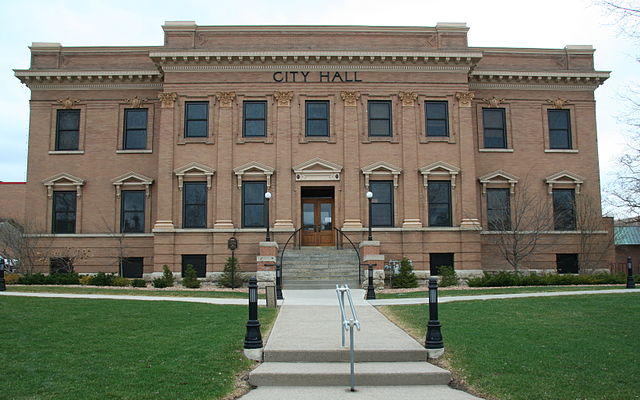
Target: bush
<point>167,275</point>
<point>11,279</point>
<point>120,281</point>
<point>102,279</point>
<point>448,276</point>
<point>505,278</point>
<point>190,279</point>
<point>86,279</point>
<point>71,278</point>
<point>405,278</point>
<point>159,283</point>
<point>32,279</point>
<point>230,277</point>
<point>139,283</point>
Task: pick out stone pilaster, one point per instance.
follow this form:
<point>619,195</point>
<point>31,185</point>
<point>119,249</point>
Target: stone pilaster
<point>224,167</point>
<point>411,186</point>
<point>165,181</point>
<point>468,179</point>
<point>283,193</point>
<point>351,176</point>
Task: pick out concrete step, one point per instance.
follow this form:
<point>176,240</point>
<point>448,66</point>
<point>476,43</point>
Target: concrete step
<point>342,354</point>
<point>413,392</point>
<point>338,374</point>
<point>318,284</point>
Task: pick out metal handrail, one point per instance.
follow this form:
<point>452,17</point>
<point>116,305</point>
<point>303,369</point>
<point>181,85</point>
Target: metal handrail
<point>285,248</point>
<point>347,325</point>
<point>342,234</point>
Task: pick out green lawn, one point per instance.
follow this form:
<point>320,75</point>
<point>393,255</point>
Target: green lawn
<point>114,349</point>
<point>561,348</point>
<point>470,292</point>
<point>240,293</point>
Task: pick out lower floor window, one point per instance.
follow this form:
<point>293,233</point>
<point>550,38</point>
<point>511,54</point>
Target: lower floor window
<point>60,265</point>
<point>567,263</point>
<point>197,261</point>
<point>437,260</point>
<point>131,267</point>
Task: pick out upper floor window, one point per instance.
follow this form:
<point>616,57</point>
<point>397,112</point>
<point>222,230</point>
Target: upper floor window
<point>135,129</point>
<point>67,129</point>
<point>254,122</point>
<point>495,131</point>
<point>194,211</point>
<point>564,210</point>
<point>253,204</point>
<point>196,120</point>
<point>437,118</point>
<point>317,118</point>
<point>132,211</point>
<point>559,129</point>
<point>381,203</point>
<point>64,212</point>
<point>439,197</point>
<point>498,210</point>
<point>379,118</point>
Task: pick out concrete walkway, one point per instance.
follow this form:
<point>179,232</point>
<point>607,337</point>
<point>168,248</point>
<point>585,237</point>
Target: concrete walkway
<point>303,357</point>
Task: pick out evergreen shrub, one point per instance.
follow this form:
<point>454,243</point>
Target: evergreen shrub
<point>190,279</point>
<point>405,278</point>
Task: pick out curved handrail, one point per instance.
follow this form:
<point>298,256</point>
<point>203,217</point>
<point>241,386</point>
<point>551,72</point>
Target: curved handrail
<point>354,248</point>
<point>285,246</point>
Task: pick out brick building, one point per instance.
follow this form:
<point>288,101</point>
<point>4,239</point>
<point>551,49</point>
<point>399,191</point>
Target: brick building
<point>158,155</point>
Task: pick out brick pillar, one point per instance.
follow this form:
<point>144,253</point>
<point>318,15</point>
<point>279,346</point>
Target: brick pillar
<point>265,264</point>
<point>351,173</point>
<point>283,195</point>
<point>370,254</point>
<point>411,186</point>
<point>224,167</point>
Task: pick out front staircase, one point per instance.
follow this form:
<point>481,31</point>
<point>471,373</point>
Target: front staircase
<point>319,268</point>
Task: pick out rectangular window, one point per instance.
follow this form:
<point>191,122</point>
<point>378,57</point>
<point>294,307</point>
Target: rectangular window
<point>379,118</point>
<point>135,129</point>
<point>132,211</point>
<point>559,129</point>
<point>317,118</point>
<point>194,200</point>
<point>495,131</point>
<point>381,203</point>
<point>67,129</point>
<point>196,119</point>
<point>60,265</point>
<point>64,212</point>
<point>567,263</point>
<point>253,204</point>
<point>564,210</point>
<point>254,119</point>
<point>437,118</point>
<point>498,210</point>
<point>437,260</point>
<point>197,261</point>
<point>439,197</point>
<point>131,267</point>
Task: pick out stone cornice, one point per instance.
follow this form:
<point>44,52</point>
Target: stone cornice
<point>588,79</point>
<point>37,78</point>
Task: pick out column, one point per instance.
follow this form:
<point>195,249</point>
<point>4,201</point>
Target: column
<point>352,193</point>
<point>411,186</point>
<point>283,192</point>
<point>224,169</point>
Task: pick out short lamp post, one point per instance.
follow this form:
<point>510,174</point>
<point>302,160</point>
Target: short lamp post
<point>253,338</point>
<point>371,293</point>
<point>279,282</point>
<point>267,196</point>
<point>369,197</point>
<point>3,285</point>
<point>631,283</point>
<point>434,343</point>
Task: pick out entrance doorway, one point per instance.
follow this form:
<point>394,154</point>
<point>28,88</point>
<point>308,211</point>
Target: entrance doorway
<point>317,216</point>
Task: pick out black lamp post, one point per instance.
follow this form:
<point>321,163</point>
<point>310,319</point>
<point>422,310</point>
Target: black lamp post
<point>369,197</point>
<point>253,338</point>
<point>3,286</point>
<point>631,283</point>
<point>279,282</point>
<point>434,336</point>
<point>371,293</point>
<point>267,196</point>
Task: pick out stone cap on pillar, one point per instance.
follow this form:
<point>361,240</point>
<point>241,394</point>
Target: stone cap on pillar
<point>375,243</point>
<point>373,257</point>
<point>268,244</point>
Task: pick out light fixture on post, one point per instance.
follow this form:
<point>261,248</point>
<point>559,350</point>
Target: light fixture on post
<point>267,196</point>
<point>369,197</point>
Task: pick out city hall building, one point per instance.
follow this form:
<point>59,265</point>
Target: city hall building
<point>158,155</point>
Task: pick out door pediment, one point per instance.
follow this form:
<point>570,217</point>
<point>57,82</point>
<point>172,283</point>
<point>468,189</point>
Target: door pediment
<point>317,169</point>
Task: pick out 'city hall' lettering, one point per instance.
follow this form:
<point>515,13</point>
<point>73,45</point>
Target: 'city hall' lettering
<point>322,76</point>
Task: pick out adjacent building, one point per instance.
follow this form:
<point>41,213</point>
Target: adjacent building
<point>157,155</point>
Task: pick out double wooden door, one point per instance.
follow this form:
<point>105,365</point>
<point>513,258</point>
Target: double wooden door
<point>317,222</point>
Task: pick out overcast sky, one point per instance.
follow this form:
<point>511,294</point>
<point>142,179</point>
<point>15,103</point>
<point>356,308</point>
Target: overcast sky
<point>541,23</point>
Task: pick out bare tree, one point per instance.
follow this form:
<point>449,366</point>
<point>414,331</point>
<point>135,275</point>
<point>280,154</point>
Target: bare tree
<point>626,14</point>
<point>519,223</point>
<point>21,242</point>
<point>596,237</point>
